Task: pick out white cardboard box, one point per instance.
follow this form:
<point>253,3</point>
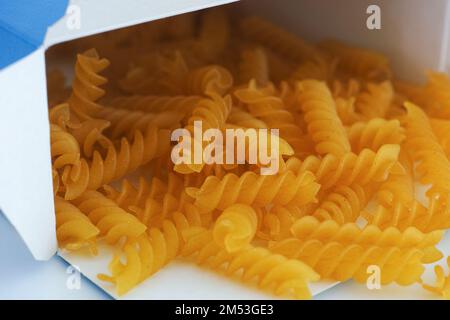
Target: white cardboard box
<point>415,34</point>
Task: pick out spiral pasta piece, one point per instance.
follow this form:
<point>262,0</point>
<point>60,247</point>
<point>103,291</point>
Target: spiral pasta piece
<point>421,143</point>
<point>85,87</point>
<point>245,119</point>
<point>343,204</point>
<point>208,80</point>
<point>374,133</point>
<point>358,61</point>
<point>254,65</point>
<point>117,162</point>
<point>277,222</point>
<point>441,286</point>
<point>64,147</point>
<point>311,228</point>
<point>437,95</point>
<point>441,128</point>
<point>73,229</point>
<point>323,122</point>
<point>211,113</point>
<point>155,104</point>
<point>376,101</point>
<point>263,104</point>
<point>345,109</point>
<point>363,168</point>
<point>337,261</point>
<point>270,271</point>
<point>236,227</point>
<point>144,256</point>
<point>124,122</point>
<point>398,188</point>
<point>151,251</point>
<point>318,68</point>
<point>113,222</point>
<point>402,216</point>
<point>253,189</point>
<point>277,39</point>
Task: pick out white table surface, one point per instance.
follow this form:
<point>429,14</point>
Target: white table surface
<point>21,277</point>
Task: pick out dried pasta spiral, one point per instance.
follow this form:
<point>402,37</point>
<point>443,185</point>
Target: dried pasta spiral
<point>311,228</point>
<point>155,104</point>
<point>402,216</point>
<point>73,229</point>
<point>208,80</point>
<point>422,145</point>
<point>263,104</point>
<point>124,122</point>
<point>442,283</point>
<point>277,222</point>
<point>441,128</point>
<point>337,261</point>
<point>318,68</point>
<point>375,102</point>
<point>343,204</point>
<point>245,119</point>
<point>145,255</point>
<point>254,65</point>
<point>437,95</point>
<point>277,39</point>
<point>236,227</point>
<point>324,125</point>
<point>358,61</point>
<point>374,133</point>
<point>117,162</point>
<point>151,251</point>
<point>253,189</point>
<point>283,276</point>
<point>363,168</point>
<point>212,113</point>
<point>113,222</point>
<point>85,87</point>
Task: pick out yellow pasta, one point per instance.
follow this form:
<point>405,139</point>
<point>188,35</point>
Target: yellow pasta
<point>73,229</point>
<point>277,39</point>
<point>117,162</point>
<point>324,125</point>
<point>358,61</point>
<point>236,227</point>
<point>269,271</point>
<point>254,65</point>
<point>208,80</point>
<point>353,155</point>
<point>435,216</point>
<point>333,260</point>
<point>112,221</point>
<point>343,204</point>
<point>375,133</point>
<point>442,284</point>
<point>263,104</point>
<point>363,168</point>
<point>252,189</point>
<point>422,145</point>
<point>376,101</point>
<point>85,87</point>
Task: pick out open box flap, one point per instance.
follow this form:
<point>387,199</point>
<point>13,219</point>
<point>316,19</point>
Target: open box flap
<point>26,196</point>
<point>23,25</point>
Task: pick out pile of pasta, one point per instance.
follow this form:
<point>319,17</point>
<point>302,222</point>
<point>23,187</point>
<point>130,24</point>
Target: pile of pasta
<point>356,145</point>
